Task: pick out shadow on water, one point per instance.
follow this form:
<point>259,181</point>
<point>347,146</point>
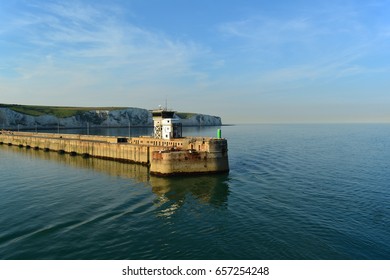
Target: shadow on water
<point>210,189</point>
<point>125,212</point>
<point>112,168</point>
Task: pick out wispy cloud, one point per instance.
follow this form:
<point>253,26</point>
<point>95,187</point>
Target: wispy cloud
<point>266,30</point>
<point>309,44</point>
<point>114,52</point>
<point>64,37</point>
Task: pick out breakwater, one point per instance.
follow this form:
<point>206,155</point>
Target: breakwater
<point>179,156</point>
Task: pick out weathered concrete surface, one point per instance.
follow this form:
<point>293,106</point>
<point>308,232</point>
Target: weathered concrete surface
<point>186,162</point>
<point>189,155</point>
<point>165,157</point>
<point>94,146</point>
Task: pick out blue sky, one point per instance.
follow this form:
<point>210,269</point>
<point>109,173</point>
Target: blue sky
<point>246,61</point>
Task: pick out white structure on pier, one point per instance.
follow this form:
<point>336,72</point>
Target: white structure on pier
<point>165,125</point>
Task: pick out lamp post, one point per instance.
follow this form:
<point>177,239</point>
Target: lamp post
<point>108,126</point>
<point>129,124</point>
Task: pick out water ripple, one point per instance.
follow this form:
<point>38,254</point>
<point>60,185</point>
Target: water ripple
<point>294,192</point>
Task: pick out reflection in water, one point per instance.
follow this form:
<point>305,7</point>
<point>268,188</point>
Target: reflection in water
<point>171,193</point>
<point>211,189</point>
<point>133,171</point>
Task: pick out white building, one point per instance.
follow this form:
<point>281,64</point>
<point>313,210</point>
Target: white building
<point>165,125</point>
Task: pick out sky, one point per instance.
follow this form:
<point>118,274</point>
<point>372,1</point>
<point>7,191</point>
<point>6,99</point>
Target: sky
<point>245,61</point>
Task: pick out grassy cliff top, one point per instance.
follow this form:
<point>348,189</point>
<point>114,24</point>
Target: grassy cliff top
<point>58,111</point>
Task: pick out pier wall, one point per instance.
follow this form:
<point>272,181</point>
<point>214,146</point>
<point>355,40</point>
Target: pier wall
<point>180,163</point>
<point>165,157</point>
<point>93,147</point>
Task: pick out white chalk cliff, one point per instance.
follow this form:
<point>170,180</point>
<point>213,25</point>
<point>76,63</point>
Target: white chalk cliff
<point>95,118</point>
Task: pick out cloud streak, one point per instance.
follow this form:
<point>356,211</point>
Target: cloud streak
<point>64,38</point>
<point>250,55</point>
<point>328,43</point>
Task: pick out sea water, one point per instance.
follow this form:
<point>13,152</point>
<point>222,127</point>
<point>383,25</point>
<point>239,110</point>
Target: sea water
<point>293,192</point>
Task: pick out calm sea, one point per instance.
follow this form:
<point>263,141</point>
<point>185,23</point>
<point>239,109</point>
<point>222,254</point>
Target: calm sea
<point>294,192</point>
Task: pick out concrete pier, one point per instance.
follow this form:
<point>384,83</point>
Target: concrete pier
<point>165,157</point>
